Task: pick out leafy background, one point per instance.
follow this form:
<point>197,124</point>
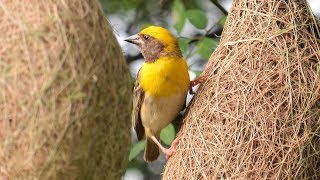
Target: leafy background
<point>197,25</point>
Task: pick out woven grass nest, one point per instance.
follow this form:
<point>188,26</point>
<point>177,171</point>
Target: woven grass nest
<point>64,92</point>
<point>258,114</point>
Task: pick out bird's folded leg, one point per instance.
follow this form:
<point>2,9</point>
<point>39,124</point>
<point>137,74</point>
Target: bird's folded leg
<point>195,82</point>
<point>168,152</point>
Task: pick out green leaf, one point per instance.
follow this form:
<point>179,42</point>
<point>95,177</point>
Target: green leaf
<point>179,15</point>
<point>205,47</point>
<point>136,149</point>
<point>167,134</point>
<point>198,73</point>
<point>197,18</point>
<point>184,44</point>
<point>222,20</point>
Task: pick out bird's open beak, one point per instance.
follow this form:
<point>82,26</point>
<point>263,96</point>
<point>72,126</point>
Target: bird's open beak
<point>134,39</point>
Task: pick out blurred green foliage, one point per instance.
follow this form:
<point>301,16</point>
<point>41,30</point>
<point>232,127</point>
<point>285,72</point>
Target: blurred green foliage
<point>119,6</point>
<point>136,149</point>
<point>205,47</point>
<point>179,15</point>
<point>197,18</point>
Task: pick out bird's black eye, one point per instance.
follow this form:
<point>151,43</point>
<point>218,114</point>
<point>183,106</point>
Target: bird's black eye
<point>146,37</point>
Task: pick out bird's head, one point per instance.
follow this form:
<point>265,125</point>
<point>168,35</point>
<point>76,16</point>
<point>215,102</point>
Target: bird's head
<point>155,42</point>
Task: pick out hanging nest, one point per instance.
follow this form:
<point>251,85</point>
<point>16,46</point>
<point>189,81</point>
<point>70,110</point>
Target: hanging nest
<point>258,114</point>
<point>64,92</point>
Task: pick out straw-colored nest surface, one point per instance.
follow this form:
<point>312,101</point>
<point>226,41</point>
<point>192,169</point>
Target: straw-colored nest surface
<point>258,114</point>
<point>64,92</point>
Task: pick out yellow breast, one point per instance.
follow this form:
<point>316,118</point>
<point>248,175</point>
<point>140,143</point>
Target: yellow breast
<point>165,77</point>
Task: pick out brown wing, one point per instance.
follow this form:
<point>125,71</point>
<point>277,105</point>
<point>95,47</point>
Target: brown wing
<point>138,96</point>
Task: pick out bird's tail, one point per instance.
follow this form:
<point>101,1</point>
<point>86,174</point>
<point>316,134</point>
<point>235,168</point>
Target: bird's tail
<point>151,152</point>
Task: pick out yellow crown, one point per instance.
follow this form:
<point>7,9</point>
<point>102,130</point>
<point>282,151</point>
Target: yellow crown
<point>164,36</point>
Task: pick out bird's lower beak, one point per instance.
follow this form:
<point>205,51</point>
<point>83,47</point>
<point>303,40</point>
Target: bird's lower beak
<point>134,39</point>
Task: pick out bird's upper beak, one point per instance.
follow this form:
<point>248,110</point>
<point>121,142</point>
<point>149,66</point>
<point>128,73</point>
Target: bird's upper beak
<point>134,39</point>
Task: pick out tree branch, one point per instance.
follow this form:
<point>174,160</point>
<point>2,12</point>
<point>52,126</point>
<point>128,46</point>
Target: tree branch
<point>222,9</point>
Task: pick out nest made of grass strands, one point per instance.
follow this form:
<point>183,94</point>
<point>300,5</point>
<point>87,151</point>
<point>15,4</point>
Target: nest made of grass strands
<point>258,114</point>
<point>64,92</point>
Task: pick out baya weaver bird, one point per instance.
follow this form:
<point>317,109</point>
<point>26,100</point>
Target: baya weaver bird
<point>160,88</point>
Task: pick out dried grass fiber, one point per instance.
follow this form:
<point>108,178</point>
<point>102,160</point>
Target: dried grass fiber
<point>258,115</point>
<point>64,92</point>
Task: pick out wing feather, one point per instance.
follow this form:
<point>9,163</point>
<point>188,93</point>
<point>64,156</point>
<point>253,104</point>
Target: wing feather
<point>138,96</point>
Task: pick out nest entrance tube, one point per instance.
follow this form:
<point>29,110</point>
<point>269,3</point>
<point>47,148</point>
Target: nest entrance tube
<point>258,115</point>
